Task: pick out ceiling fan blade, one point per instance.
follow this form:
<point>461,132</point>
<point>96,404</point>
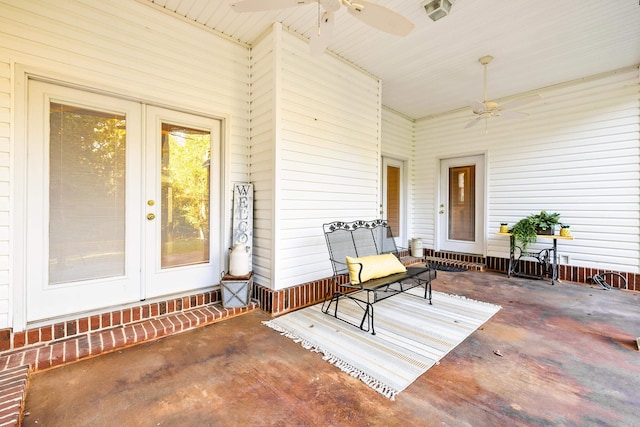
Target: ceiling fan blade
<point>478,107</point>
<point>379,17</point>
<point>520,102</point>
<point>320,38</point>
<point>473,122</point>
<point>262,5</point>
<point>512,115</point>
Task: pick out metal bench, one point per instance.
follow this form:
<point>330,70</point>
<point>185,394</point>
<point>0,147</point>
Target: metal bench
<point>358,239</point>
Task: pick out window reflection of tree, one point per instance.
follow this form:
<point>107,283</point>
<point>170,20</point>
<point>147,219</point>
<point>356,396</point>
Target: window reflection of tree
<point>185,194</point>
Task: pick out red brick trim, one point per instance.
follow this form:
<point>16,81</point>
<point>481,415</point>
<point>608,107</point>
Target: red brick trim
<point>296,297</point>
<point>572,273</point>
<point>273,302</point>
<point>97,322</point>
<point>13,386</point>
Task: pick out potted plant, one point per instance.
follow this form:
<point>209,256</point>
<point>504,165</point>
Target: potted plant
<point>545,223</point>
<point>527,229</point>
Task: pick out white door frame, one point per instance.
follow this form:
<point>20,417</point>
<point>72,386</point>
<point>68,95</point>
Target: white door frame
<point>442,208</point>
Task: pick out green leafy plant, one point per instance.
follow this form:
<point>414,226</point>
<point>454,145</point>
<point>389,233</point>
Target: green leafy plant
<point>545,221</point>
<point>527,229</point>
<point>524,232</point>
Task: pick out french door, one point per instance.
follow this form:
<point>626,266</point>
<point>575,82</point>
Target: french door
<point>461,208</point>
<point>119,201</point>
<point>181,202</point>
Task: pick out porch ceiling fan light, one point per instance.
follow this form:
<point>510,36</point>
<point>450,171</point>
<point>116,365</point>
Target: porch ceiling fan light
<point>437,9</point>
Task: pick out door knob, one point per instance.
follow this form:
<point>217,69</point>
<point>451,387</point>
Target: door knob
<point>150,216</point>
<point>441,211</point>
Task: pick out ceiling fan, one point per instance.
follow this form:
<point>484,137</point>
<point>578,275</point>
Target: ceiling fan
<point>375,15</point>
<point>487,109</point>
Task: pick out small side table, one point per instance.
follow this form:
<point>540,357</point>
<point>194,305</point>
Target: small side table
<point>553,252</point>
<point>236,290</point>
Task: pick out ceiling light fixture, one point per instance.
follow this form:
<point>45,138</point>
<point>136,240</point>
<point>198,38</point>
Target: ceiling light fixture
<point>437,9</point>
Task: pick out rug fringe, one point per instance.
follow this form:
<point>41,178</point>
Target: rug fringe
<point>462,297</point>
<point>375,384</point>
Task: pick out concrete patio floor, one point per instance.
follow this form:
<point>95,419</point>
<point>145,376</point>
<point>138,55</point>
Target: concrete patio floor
<point>568,358</point>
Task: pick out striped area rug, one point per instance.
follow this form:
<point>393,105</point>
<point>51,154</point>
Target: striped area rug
<point>411,336</point>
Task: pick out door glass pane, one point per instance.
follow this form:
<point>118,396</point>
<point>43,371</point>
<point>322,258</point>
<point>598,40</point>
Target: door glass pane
<point>185,195</point>
<point>86,194</point>
<point>393,199</point>
<point>462,192</point>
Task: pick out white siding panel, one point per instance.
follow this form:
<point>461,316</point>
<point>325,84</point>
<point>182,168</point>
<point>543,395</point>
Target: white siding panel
<point>577,154</point>
<point>397,135</point>
<point>128,49</point>
<point>329,154</point>
<point>398,142</point>
<point>5,126</point>
<point>262,159</point>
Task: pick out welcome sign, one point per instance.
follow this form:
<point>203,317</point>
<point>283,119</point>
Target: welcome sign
<point>243,217</point>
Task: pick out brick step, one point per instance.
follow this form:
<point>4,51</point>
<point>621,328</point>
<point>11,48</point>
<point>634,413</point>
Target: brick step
<point>457,256</point>
<point>15,365</point>
<point>446,262</point>
<point>13,389</point>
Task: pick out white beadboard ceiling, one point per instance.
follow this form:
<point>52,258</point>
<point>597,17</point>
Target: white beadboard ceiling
<point>435,68</point>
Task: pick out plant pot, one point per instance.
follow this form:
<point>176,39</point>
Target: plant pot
<point>547,232</point>
<point>565,231</point>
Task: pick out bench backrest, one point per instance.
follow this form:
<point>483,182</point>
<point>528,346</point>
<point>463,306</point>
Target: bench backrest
<point>357,239</point>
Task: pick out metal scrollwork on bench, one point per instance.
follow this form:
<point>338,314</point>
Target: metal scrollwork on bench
<point>349,226</point>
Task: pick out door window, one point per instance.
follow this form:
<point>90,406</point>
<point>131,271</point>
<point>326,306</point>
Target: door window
<point>87,174</point>
<point>462,204</point>
<point>393,198</point>
<point>185,176</point>
<point>393,204</point>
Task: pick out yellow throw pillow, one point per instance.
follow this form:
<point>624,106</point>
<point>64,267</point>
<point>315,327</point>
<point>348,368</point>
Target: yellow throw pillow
<point>373,267</point>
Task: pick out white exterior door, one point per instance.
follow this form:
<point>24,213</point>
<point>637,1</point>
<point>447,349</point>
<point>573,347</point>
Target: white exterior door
<point>182,202</point>
<point>121,202</point>
<point>461,208</point>
<point>82,201</point>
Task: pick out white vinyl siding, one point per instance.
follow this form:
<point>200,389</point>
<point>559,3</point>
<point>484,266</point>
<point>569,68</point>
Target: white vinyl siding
<point>5,172</point>
<point>326,153</point>
<point>398,142</point>
<point>309,132</point>
<point>131,50</point>
<point>397,135</point>
<point>329,156</point>
<point>262,159</point>
<point>577,154</point>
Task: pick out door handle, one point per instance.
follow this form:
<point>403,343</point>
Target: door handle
<point>150,216</point>
<point>441,211</point>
